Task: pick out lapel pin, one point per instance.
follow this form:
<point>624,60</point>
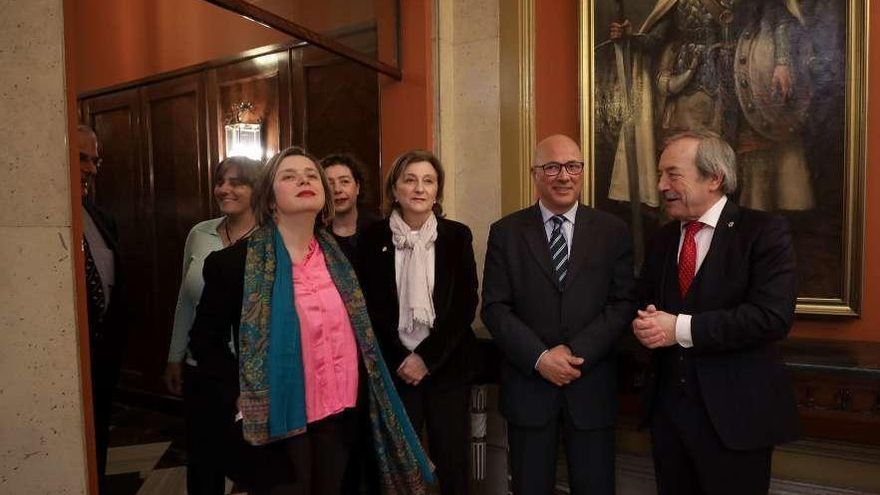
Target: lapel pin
<point>384,248</point>
<point>730,224</point>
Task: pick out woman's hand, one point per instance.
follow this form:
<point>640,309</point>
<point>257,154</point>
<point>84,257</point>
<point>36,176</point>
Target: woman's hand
<point>174,378</point>
<point>412,369</point>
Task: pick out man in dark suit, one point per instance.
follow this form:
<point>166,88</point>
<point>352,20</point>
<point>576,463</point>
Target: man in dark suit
<point>719,288</point>
<point>107,322</point>
<point>558,290</point>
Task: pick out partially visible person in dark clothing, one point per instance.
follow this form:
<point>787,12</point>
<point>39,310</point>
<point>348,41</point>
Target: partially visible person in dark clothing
<point>106,309</point>
<point>346,177</point>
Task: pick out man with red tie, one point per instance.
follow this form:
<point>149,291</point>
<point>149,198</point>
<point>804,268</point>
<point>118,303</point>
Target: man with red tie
<point>718,290</point>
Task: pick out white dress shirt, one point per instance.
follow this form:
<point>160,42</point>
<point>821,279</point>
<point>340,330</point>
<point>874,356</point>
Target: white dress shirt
<point>703,239</point>
<point>567,233</point>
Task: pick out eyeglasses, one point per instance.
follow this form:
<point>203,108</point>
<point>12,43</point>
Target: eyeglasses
<point>552,169</point>
<point>94,160</point>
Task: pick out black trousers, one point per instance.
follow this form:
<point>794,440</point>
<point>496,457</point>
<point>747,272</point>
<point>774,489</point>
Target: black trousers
<point>445,414</point>
<point>589,455</point>
<point>318,458</point>
<point>105,364</point>
<point>689,457</point>
<point>202,409</point>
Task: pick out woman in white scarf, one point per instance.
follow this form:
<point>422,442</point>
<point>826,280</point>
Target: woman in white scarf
<point>420,282</point>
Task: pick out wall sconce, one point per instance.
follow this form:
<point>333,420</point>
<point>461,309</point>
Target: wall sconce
<point>243,139</point>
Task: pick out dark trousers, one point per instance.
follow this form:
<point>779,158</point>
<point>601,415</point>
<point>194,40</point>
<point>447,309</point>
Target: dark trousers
<point>445,414</point>
<point>202,410</point>
<point>689,457</point>
<point>105,365</point>
<point>318,458</point>
<point>589,455</point>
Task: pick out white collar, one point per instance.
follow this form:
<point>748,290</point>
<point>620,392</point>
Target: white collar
<point>712,215</point>
<point>569,215</point>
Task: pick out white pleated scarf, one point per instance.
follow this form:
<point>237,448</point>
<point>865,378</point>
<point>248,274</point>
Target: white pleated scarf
<point>414,296</point>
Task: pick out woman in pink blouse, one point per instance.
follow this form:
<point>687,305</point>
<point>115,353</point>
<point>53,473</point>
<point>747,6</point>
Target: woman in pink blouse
<point>301,333</point>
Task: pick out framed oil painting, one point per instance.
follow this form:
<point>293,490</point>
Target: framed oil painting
<point>783,81</point>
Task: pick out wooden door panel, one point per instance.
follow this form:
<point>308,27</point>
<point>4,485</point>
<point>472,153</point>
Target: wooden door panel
<point>176,149</point>
<point>342,115</point>
<point>120,191</point>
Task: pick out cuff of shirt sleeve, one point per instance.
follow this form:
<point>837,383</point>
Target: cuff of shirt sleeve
<point>683,331</point>
<point>540,356</point>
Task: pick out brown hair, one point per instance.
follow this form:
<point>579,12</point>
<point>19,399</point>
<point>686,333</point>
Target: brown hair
<point>249,170</point>
<point>264,206</point>
<point>397,169</point>
<point>355,166</point>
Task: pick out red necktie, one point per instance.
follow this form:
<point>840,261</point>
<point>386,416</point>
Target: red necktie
<point>687,259</point>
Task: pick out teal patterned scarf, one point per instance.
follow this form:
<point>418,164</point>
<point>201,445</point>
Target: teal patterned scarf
<point>270,362</point>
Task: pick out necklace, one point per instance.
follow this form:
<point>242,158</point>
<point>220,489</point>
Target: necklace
<point>229,237</point>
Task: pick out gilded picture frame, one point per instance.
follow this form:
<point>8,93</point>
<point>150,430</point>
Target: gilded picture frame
<point>800,146</point>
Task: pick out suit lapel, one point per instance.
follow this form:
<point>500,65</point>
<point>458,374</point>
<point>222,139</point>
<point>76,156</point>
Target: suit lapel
<point>669,275</point>
<point>441,263</point>
<point>536,238</point>
<point>99,221</point>
<point>579,251</point>
<point>389,272</point>
<point>713,265</point>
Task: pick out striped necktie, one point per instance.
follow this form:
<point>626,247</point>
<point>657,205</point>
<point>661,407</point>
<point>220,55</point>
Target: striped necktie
<point>94,285</point>
<point>559,250</point>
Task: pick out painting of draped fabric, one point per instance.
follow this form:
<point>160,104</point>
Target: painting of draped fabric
<point>781,80</point>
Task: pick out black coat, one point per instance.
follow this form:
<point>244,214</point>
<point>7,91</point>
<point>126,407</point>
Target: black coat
<point>108,335</point>
<point>527,313</point>
<point>450,351</point>
<point>742,302</point>
<point>217,319</point>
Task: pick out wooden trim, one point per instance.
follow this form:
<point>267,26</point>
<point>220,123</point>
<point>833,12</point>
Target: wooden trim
<point>297,91</point>
<point>517,103</point>
<point>279,23</point>
<point>77,258</point>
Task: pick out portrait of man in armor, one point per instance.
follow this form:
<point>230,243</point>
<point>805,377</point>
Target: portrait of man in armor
<point>767,75</point>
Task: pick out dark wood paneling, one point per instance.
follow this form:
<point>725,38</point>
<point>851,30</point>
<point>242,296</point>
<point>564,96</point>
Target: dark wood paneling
<point>121,190</point>
<point>175,116</point>
<point>342,115</point>
<point>257,81</point>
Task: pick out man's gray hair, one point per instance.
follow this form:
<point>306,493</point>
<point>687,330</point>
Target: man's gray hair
<point>714,157</point>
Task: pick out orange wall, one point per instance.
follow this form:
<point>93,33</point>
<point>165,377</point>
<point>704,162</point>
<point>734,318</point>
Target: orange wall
<point>407,106</point>
<point>556,68</point>
<point>139,38</point>
<point>556,100</point>
<point>119,41</point>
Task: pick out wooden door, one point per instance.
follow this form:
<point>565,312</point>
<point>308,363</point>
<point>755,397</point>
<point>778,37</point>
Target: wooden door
<point>121,190</point>
<point>179,191</point>
<point>341,101</point>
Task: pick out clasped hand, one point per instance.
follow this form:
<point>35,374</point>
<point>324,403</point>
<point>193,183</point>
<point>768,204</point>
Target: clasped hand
<point>654,328</point>
<point>559,366</point>
<point>412,369</point>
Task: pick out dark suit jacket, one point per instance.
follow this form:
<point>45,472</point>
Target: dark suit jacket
<point>527,313</point>
<point>365,219</point>
<point>742,301</point>
<point>450,351</point>
<point>217,320</point>
<point>108,334</point>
